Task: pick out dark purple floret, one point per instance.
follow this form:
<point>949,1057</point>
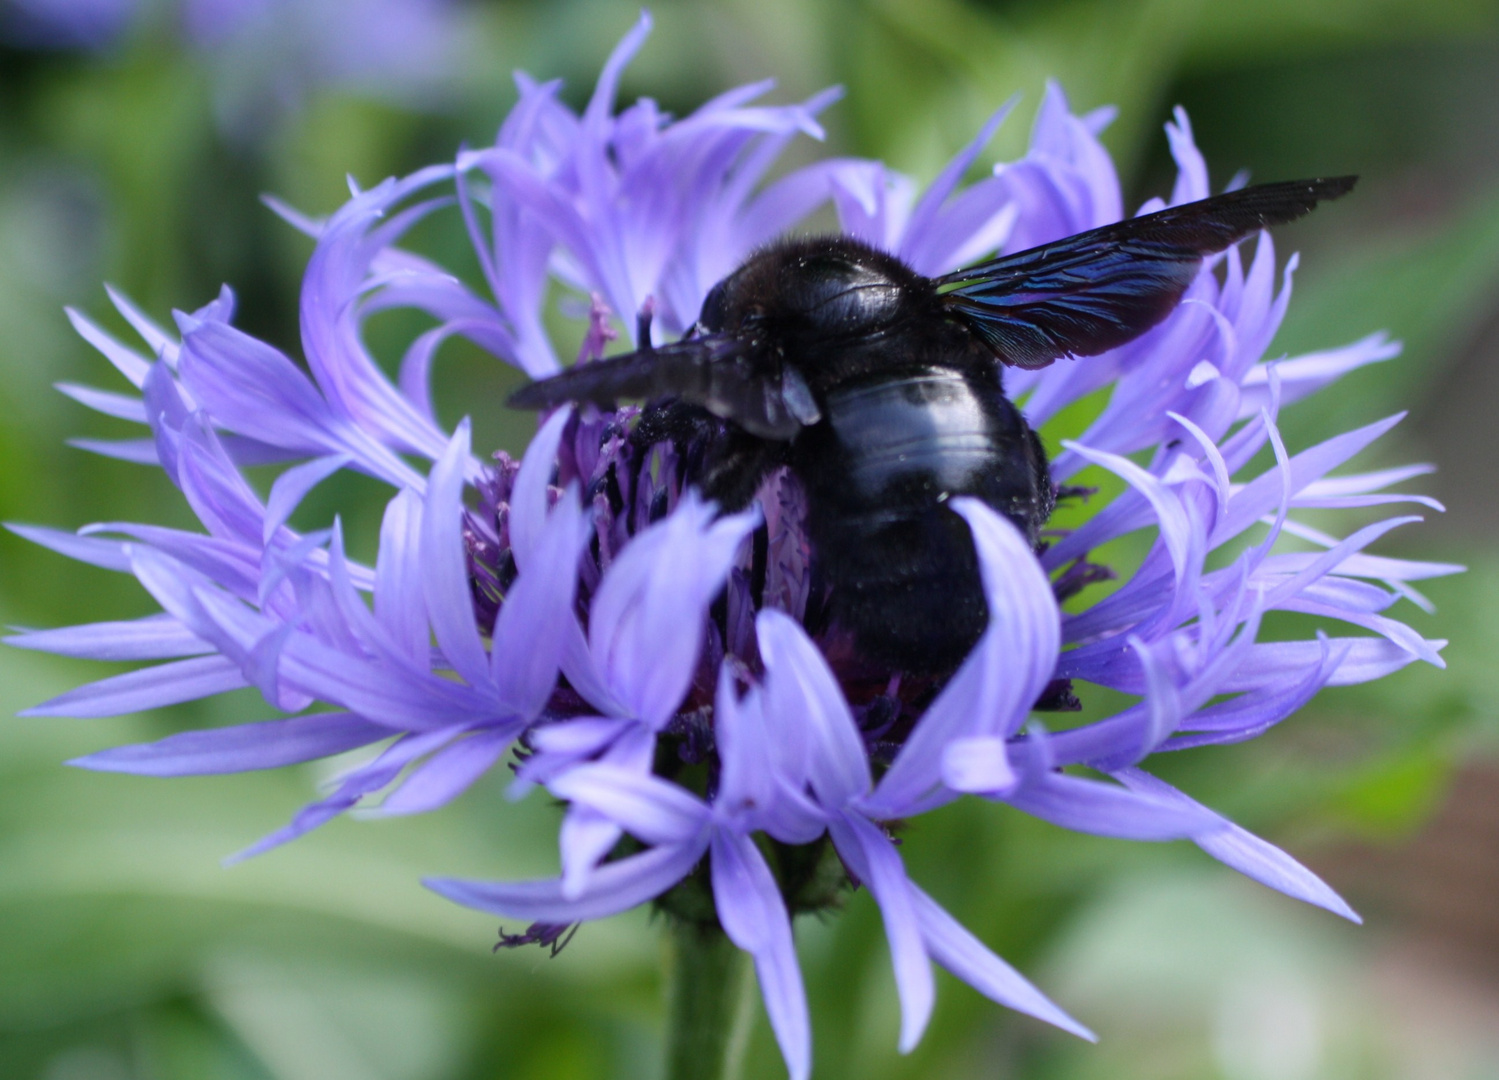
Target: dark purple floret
<point>1078,576</point>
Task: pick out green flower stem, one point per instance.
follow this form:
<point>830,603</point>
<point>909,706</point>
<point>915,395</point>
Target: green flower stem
<point>710,1007</point>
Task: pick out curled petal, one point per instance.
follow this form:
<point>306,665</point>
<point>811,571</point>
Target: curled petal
<point>269,744</point>
<point>530,635</point>
<point>967,957</point>
<point>801,691</point>
<point>614,887</point>
<point>874,859</point>
<point>449,601</point>
<point>754,917</point>
<point>1247,853</point>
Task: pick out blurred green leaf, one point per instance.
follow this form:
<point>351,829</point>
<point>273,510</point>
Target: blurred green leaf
<point>1429,290</point>
<point>114,898</point>
<point>1389,798</point>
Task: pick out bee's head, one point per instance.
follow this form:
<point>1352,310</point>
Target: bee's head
<point>810,289</point>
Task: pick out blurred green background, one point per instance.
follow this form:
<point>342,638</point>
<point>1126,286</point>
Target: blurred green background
<point>128,953</point>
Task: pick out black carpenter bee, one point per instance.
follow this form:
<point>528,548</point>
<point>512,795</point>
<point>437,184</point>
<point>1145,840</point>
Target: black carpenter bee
<point>879,388</point>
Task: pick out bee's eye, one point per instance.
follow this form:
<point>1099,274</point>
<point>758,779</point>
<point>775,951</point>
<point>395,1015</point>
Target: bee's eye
<point>713,315</point>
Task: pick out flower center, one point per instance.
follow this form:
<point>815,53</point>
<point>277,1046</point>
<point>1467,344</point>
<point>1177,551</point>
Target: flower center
<point>629,483</point>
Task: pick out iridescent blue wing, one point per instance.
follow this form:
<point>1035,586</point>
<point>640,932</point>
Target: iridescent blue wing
<point>724,373</point>
<point>1094,291</point>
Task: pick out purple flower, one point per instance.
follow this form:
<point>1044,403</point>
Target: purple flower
<point>266,55</point>
<point>672,674</point>
<point>65,24</point>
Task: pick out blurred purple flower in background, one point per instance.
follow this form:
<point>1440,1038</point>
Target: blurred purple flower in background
<point>65,24</point>
<point>264,56</point>
<point>671,674</point>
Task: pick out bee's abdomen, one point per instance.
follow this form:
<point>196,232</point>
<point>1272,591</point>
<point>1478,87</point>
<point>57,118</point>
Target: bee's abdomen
<point>879,471</point>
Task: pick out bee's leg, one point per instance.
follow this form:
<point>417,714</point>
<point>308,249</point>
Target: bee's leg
<point>725,462</point>
<point>735,467</point>
<point>674,422</point>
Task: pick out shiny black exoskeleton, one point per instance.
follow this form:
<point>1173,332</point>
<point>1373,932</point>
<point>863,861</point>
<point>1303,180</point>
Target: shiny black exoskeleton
<point>879,388</point>
<point>912,412</point>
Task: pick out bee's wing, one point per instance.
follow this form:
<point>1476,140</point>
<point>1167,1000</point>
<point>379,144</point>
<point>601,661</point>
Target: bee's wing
<point>1091,292</point>
<point>720,372</point>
